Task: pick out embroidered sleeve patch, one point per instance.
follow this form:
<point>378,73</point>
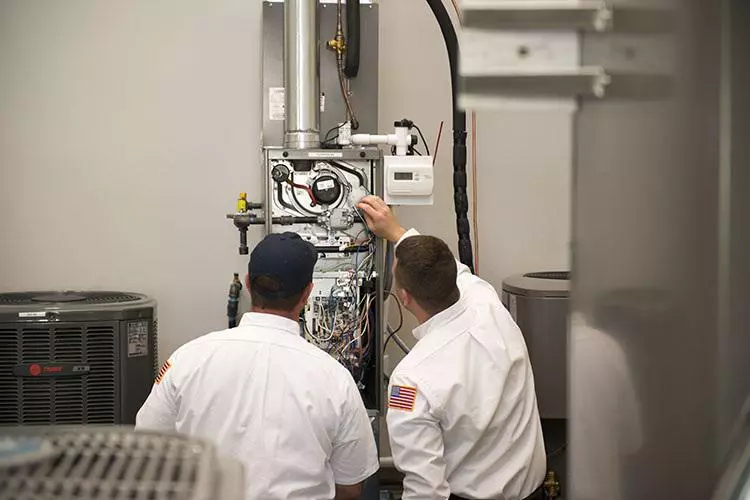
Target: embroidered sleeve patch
<point>163,371</point>
<point>402,398</point>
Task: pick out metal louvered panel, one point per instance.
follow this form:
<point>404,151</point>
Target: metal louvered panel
<point>69,393</point>
<point>88,398</point>
<point>35,345</point>
<point>36,393</point>
<point>101,348</point>
<point>9,385</point>
<point>155,346</point>
<point>114,463</point>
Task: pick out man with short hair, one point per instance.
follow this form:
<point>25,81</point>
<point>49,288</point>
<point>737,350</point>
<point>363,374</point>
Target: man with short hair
<point>462,413</point>
<point>286,409</point>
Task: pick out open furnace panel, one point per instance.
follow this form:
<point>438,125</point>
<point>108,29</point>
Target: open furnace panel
<point>314,193</point>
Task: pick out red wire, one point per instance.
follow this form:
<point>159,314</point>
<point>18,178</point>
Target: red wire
<point>437,143</point>
<point>307,189</point>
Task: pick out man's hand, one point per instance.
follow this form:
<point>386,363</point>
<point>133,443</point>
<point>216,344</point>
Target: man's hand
<point>380,219</point>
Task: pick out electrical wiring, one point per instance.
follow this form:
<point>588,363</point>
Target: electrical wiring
<point>400,321</point>
<point>344,328</point>
<point>424,141</point>
<point>437,142</point>
<point>326,137</point>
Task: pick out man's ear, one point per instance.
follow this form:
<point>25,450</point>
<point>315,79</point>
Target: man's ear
<point>247,282</point>
<point>404,296</point>
<point>306,293</point>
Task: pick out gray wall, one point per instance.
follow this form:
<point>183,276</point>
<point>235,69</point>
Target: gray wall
<point>524,155</point>
<point>127,129</point>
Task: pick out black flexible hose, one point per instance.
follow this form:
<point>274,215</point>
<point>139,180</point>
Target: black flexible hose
<point>280,197</point>
<point>360,175</point>
<point>353,30</point>
<point>460,197</point>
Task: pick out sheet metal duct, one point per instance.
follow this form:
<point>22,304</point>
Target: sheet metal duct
<point>301,74</point>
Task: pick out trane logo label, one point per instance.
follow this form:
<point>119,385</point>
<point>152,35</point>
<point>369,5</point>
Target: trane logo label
<point>51,370</point>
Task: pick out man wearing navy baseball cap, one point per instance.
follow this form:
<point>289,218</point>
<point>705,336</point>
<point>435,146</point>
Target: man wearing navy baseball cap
<point>286,409</point>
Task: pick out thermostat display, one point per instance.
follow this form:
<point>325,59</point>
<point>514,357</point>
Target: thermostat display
<point>408,180</point>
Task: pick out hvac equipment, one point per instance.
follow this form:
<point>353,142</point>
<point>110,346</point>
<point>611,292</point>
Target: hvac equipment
<point>75,357</point>
<point>323,154</point>
<point>321,71</point>
<point>98,463</point>
<point>539,304</point>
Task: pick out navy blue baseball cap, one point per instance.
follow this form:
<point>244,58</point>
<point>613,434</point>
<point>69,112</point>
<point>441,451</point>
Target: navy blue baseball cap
<point>287,259</point>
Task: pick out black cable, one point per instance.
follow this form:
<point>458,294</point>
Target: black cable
<point>460,198</point>
<point>421,136</point>
<point>326,138</point>
<point>280,197</point>
<point>400,321</point>
<point>359,174</point>
<point>557,451</point>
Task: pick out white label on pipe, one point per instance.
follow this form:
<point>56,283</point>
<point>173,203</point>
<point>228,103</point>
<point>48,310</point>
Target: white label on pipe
<point>329,184</point>
<point>276,104</point>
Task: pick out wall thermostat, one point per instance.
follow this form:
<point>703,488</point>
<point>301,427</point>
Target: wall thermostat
<point>408,180</point>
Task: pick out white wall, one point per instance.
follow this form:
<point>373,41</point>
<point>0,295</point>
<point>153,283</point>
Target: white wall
<point>127,129</point>
<point>524,156</point>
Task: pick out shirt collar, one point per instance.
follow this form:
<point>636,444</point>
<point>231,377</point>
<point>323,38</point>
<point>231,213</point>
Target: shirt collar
<point>273,321</point>
<point>440,319</point>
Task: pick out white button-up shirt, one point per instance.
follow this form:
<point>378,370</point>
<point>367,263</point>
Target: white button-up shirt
<point>463,415</point>
<point>287,410</point>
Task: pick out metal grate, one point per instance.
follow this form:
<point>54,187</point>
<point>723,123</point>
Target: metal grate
<point>84,399</point>
<point>101,350</point>
<point>41,298</point>
<point>9,383</point>
<point>118,464</point>
<point>155,346</point>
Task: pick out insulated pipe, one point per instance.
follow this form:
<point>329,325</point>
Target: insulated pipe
<point>301,75</point>
<point>353,30</point>
<point>460,197</point>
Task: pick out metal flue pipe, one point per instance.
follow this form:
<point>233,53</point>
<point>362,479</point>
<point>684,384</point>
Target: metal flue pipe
<point>301,74</point>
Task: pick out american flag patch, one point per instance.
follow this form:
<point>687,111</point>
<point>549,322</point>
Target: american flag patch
<point>163,371</point>
<point>402,397</point>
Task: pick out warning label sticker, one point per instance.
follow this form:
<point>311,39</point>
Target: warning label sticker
<point>276,111</point>
<point>137,339</point>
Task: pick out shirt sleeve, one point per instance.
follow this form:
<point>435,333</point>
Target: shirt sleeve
<point>159,412</point>
<point>416,441</point>
<point>355,456</point>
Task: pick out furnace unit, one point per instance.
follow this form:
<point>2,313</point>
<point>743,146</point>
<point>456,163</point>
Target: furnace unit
<point>75,357</point>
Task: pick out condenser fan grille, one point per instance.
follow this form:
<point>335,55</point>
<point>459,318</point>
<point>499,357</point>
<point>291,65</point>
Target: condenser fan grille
<point>113,464</point>
<point>66,400</point>
<point>49,298</point>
